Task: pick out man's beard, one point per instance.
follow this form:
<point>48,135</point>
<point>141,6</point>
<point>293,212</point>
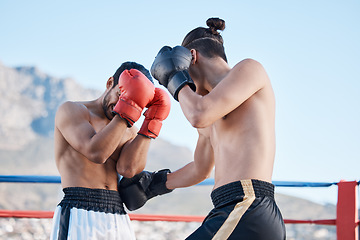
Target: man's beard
<point>105,107</point>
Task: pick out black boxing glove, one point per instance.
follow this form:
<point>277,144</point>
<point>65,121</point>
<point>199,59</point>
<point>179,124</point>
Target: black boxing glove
<point>136,191</point>
<point>170,68</point>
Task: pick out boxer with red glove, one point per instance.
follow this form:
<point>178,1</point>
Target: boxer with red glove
<point>136,93</point>
<point>158,110</point>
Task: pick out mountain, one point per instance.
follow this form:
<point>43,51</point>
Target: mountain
<point>29,99</point>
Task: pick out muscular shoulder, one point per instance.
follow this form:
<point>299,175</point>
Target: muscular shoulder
<point>249,64</point>
<point>71,110</point>
<point>251,70</point>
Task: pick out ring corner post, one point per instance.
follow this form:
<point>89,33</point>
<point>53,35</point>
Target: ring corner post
<point>347,211</point>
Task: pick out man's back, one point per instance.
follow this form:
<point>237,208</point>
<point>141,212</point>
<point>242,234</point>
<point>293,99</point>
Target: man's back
<point>243,141</point>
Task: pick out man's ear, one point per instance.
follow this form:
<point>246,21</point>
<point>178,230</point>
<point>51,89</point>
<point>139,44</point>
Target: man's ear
<point>110,83</point>
<point>194,56</point>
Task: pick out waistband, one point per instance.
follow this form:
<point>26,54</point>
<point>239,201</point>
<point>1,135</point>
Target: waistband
<point>236,191</point>
<point>98,200</point>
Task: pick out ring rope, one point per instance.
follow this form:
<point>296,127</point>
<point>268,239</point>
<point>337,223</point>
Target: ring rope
<point>210,181</point>
<point>149,217</point>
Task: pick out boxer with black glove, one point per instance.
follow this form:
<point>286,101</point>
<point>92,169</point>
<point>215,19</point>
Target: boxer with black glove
<point>136,191</point>
<point>170,68</point>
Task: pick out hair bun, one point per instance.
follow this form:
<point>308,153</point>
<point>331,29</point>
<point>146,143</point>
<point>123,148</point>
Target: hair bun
<point>215,24</point>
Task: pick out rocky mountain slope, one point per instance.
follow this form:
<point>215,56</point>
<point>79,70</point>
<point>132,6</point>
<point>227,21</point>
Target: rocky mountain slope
<point>29,99</point>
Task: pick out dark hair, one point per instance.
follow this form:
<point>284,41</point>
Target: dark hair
<point>207,41</point>
<point>128,66</point>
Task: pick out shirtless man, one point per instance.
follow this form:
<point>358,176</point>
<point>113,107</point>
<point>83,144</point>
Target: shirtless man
<point>94,142</point>
<point>233,110</point>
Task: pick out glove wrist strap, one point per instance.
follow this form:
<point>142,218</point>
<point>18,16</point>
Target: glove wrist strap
<point>178,81</point>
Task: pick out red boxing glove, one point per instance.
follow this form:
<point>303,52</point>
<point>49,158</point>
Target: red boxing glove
<point>158,110</point>
<point>136,93</point>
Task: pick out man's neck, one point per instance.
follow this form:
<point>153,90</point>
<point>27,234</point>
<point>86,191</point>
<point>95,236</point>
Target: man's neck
<point>214,70</point>
<point>96,107</point>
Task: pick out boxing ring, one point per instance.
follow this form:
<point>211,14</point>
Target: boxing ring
<point>346,221</point>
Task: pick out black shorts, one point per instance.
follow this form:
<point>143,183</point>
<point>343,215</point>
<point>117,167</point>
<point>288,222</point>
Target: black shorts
<point>243,210</point>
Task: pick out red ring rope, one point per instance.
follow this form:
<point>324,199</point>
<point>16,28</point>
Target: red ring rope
<point>149,217</point>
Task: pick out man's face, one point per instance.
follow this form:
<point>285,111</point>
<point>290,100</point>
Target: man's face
<point>110,100</point>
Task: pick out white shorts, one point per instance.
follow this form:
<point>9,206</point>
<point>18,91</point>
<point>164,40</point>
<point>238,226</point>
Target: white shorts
<point>91,214</point>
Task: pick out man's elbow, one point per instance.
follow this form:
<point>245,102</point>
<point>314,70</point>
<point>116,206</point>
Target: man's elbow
<point>199,120</point>
<point>127,171</point>
<point>197,123</point>
<point>199,117</point>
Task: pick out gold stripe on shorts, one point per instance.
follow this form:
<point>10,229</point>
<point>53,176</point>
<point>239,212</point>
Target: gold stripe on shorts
<point>234,217</point>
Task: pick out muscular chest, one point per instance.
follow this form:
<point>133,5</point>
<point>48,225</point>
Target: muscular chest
<point>226,128</point>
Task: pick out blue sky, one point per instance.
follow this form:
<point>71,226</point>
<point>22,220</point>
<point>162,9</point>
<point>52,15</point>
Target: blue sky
<point>310,50</point>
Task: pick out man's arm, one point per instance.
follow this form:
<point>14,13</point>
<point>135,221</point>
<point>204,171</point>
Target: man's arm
<point>133,156</point>
<point>196,171</point>
<point>134,153</point>
<point>136,191</point>
<point>244,80</point>
<point>73,121</point>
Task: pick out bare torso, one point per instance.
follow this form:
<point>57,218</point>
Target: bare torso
<point>78,171</point>
<point>243,141</point>
<point>233,110</point>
